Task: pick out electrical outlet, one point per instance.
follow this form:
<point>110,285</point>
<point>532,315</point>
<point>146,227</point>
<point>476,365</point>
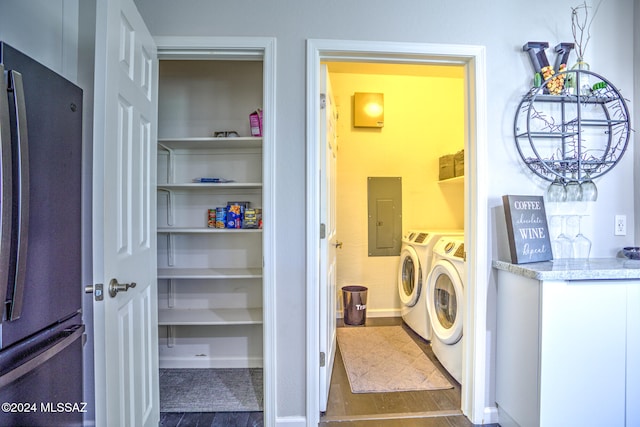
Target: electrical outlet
<point>620,227</point>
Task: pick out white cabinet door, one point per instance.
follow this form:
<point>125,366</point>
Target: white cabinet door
<point>633,354</point>
<point>125,325</point>
<point>582,353</point>
<point>328,244</point>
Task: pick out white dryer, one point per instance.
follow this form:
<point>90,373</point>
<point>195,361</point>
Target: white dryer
<point>444,290</point>
<point>415,263</point>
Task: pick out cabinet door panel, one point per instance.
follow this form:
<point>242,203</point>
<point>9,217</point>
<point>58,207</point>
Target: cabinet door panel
<point>583,350</point>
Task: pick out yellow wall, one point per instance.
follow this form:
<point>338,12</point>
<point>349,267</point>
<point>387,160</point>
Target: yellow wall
<point>423,120</point>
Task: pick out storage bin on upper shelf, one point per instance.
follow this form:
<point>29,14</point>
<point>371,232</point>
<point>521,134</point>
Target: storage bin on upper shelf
<point>447,169</point>
<point>458,163</point>
<point>451,166</point>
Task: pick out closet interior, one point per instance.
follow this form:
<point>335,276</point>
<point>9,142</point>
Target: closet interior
<point>210,243</point>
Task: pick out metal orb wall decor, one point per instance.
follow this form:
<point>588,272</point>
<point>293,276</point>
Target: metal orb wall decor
<point>571,126</point>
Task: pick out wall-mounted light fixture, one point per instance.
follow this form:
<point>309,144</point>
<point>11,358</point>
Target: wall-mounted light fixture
<point>368,110</point>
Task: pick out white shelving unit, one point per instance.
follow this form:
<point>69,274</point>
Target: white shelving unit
<point>193,230</point>
<point>209,279</point>
<point>457,180</point>
<point>218,316</point>
<point>209,273</point>
<point>206,185</point>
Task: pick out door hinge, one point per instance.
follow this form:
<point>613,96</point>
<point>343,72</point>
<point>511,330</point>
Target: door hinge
<point>323,101</point>
<point>323,231</point>
<point>323,359</point>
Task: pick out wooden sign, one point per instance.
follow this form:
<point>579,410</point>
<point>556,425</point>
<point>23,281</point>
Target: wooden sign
<point>527,229</point>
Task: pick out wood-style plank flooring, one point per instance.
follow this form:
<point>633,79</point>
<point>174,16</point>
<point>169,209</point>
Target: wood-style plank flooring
<point>211,419</point>
<point>439,408</point>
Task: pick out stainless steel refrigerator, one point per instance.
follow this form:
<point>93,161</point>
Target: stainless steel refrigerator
<point>41,330</point>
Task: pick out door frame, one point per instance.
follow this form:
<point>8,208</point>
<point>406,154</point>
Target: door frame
<point>239,48</point>
<point>475,350</point>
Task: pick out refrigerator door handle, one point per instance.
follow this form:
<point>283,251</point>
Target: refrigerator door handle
<point>15,86</point>
<point>6,190</point>
<point>30,365</point>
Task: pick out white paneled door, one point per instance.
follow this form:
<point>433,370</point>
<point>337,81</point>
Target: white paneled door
<point>328,242</point>
<point>125,316</point>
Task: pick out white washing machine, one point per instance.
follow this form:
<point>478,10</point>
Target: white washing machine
<point>415,263</point>
<point>444,291</point>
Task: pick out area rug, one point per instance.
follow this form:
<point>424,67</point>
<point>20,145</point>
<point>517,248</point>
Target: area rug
<point>385,359</point>
<point>211,390</point>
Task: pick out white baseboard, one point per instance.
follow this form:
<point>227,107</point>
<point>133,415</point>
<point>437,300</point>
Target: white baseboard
<point>490,415</point>
<point>383,312</point>
<point>506,420</point>
<point>204,363</point>
<point>291,422</point>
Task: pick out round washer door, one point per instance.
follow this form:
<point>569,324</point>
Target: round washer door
<point>409,276</point>
<point>445,302</point>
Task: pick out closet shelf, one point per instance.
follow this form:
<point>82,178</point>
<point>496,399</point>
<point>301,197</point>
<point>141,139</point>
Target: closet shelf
<point>205,230</point>
<point>212,317</point>
<point>454,180</point>
<point>210,185</point>
<point>209,142</point>
<point>209,273</point>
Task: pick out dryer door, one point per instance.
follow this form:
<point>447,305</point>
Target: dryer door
<point>409,276</point>
<point>445,301</point>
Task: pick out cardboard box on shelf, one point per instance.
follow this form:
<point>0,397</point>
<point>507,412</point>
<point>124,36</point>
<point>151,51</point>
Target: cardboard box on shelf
<point>447,169</point>
<point>458,163</point>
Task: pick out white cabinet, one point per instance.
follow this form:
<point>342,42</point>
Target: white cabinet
<point>209,279</point>
<point>567,352</point>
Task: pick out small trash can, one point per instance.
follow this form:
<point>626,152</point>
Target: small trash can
<point>354,299</point>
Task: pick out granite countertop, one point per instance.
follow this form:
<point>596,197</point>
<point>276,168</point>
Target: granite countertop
<point>575,269</point>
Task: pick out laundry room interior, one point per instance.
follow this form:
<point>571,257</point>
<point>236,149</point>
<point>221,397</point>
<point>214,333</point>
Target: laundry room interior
<point>424,120</point>
<point>407,161</point>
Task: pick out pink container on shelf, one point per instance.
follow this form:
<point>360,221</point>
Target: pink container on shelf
<point>255,121</point>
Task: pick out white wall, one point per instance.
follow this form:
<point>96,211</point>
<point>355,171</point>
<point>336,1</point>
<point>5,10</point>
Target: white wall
<point>503,26</point>
<point>46,30</point>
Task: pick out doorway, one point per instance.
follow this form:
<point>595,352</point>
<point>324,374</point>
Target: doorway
<point>472,59</point>
<point>423,121</point>
<point>251,317</point>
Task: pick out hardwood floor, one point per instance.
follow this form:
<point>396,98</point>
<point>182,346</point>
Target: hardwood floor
<point>211,419</point>
<point>345,409</point>
<point>439,408</point>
